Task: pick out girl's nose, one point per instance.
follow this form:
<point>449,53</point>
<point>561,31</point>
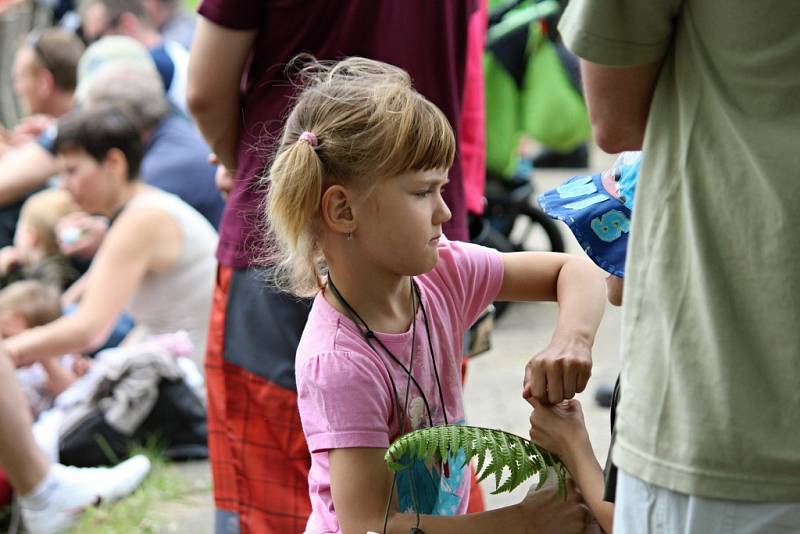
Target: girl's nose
<point>442,213</point>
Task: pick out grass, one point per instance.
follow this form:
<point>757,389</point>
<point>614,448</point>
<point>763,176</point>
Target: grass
<point>134,513</point>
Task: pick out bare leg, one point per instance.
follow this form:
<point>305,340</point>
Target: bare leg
<point>20,456</point>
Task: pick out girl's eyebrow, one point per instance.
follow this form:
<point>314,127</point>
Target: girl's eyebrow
<point>444,180</point>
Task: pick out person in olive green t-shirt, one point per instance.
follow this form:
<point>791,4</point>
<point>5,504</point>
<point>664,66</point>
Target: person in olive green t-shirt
<point>710,89</point>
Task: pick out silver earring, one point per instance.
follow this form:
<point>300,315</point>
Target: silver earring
<point>349,236</point>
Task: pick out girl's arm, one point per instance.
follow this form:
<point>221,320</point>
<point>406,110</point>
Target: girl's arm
<point>564,367</point>
<point>561,430</point>
<point>361,485</point>
<point>138,238</point>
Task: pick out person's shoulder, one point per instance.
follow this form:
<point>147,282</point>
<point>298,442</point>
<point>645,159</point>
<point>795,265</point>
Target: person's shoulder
<point>172,206</point>
<point>326,332</point>
<point>144,214</point>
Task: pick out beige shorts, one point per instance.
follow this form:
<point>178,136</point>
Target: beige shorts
<point>642,508</point>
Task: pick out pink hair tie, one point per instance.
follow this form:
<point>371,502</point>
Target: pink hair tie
<point>308,137</point>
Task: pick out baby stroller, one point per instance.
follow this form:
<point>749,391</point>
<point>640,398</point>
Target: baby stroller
<point>529,91</point>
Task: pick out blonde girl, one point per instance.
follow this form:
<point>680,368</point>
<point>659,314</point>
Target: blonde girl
<point>356,213</point>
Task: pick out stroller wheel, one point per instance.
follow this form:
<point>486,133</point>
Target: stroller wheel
<point>533,216</point>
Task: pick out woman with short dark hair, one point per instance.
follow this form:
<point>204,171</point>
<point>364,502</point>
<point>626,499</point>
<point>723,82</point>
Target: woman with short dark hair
<point>157,259</point>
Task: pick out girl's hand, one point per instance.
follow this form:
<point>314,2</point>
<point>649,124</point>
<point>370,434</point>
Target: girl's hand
<point>559,428</point>
<point>558,372</point>
<point>545,512</point>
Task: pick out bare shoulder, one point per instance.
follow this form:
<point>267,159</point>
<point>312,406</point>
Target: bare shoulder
<point>148,230</point>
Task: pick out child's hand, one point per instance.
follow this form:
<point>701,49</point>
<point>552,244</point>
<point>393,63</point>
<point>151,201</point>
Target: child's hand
<point>558,372</point>
<point>558,428</point>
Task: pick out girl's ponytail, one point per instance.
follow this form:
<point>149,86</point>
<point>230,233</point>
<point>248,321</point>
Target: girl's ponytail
<point>295,186</point>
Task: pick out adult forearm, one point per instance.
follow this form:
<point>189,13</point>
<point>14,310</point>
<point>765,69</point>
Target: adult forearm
<point>24,170</point>
<point>618,100</point>
<point>214,88</point>
<point>219,123</point>
<point>69,334</point>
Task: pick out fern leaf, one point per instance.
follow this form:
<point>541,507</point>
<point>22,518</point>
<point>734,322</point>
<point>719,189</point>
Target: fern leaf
<point>480,446</point>
<point>534,454</point>
<point>487,472</point>
<point>498,459</point>
<point>517,463</point>
<point>561,473</point>
<point>444,443</point>
<point>544,474</point>
<point>457,439</point>
<point>521,456</point>
<point>499,453</point>
<point>433,445</point>
<point>420,446</point>
<point>467,443</point>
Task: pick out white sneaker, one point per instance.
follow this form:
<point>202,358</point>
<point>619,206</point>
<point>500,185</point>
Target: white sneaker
<point>79,488</point>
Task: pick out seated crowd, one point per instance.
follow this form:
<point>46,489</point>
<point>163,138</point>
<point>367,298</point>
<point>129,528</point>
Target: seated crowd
<point>108,217</point>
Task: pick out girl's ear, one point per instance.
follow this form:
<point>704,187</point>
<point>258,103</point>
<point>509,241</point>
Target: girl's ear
<point>336,209</point>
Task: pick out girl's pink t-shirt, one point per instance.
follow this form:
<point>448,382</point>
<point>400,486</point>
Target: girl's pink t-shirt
<point>345,393</point>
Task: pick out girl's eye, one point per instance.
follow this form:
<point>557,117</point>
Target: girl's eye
<point>423,194</point>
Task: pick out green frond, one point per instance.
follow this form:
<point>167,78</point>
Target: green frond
<point>498,458</point>
<point>561,473</point>
<point>481,448</point>
<point>521,456</point>
<point>544,474</point>
<point>467,443</point>
<point>457,439</point>
<point>444,443</point>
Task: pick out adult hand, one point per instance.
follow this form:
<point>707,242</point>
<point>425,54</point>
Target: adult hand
<point>545,512</point>
<point>558,372</point>
<point>80,234</point>
<point>559,427</point>
<point>223,178</point>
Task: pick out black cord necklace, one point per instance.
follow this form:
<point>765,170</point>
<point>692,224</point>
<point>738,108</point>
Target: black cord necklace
<point>400,414</point>
<point>369,335</point>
